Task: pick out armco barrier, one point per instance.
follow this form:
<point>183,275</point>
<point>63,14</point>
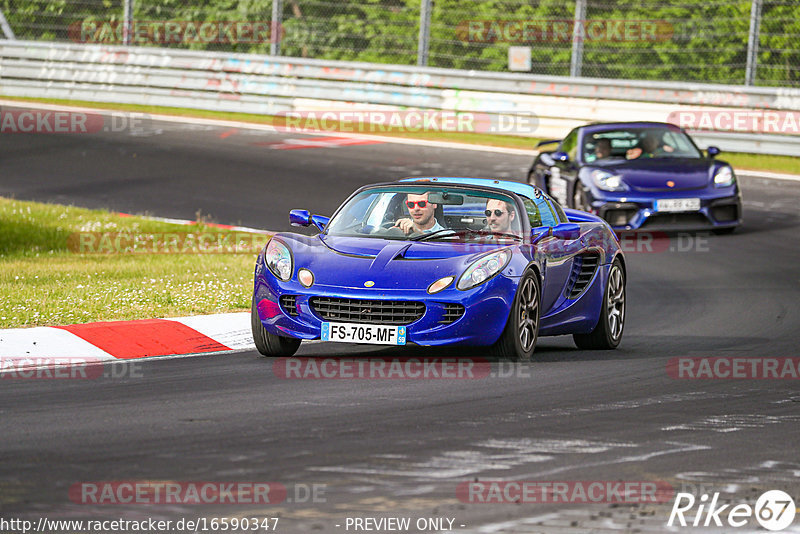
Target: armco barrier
<point>269,85</point>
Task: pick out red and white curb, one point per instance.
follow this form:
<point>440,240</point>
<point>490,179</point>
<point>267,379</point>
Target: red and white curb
<point>126,340</point>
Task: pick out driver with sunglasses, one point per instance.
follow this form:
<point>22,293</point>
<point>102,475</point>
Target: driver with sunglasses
<point>422,220</point>
<point>499,216</point>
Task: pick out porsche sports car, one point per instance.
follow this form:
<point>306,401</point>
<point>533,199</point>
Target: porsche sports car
<point>440,261</point>
<point>640,175</point>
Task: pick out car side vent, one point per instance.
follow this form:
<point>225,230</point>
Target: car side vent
<point>452,313</point>
<point>582,272</point>
<point>289,304</point>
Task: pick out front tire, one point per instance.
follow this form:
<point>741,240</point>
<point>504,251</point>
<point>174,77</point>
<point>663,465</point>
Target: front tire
<point>518,340</point>
<point>608,332</point>
<point>269,344</point>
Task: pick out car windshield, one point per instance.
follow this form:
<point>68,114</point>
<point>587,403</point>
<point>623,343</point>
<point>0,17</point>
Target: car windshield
<point>428,213</point>
<point>638,143</point>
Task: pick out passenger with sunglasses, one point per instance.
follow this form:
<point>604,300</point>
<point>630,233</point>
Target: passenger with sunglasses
<point>422,219</point>
<point>499,216</point>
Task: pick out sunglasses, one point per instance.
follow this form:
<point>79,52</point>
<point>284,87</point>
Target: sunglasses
<point>497,213</point>
<point>420,203</point>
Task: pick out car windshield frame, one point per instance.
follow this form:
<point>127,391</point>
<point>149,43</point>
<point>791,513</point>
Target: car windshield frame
<point>689,151</point>
<point>395,188</point>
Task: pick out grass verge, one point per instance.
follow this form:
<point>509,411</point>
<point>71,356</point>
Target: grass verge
<point>63,265</point>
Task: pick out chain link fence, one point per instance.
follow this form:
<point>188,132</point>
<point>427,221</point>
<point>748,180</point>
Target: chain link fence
<point>754,42</point>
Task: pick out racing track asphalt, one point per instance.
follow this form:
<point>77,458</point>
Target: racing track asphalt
<point>400,447</point>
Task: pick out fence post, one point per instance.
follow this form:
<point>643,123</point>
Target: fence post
<point>752,43</point>
<point>276,28</point>
<point>9,33</point>
<point>424,32</point>
<point>576,61</point>
<point>127,17</point>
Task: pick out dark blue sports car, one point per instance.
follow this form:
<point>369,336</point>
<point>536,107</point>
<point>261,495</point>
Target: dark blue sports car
<point>440,261</point>
<point>640,175</point>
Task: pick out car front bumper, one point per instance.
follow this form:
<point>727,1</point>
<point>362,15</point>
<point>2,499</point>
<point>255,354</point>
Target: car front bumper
<point>485,310</point>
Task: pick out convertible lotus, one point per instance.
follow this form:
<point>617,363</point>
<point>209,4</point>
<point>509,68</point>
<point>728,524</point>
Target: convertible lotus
<point>441,261</point>
<point>640,175</point>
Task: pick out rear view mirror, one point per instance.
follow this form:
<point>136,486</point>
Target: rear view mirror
<point>713,151</point>
<point>446,199</point>
<point>562,157</point>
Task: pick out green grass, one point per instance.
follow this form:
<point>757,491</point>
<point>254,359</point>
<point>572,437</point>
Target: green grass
<point>45,281</point>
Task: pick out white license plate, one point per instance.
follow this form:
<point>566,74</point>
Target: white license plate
<point>678,204</point>
<point>363,333</point>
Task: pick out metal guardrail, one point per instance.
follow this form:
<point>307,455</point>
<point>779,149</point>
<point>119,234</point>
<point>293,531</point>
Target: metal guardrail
<point>269,85</point>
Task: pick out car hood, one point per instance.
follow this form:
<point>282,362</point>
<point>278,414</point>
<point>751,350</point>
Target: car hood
<point>389,264</point>
<point>653,174</point>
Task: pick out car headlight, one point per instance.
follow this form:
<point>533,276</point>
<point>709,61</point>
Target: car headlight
<point>279,260</point>
<point>724,177</point>
<point>607,181</point>
<point>483,269</point>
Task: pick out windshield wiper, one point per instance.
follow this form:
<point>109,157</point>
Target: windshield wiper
<point>423,237</point>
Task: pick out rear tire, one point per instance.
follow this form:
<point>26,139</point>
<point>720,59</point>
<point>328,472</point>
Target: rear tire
<point>518,340</point>
<point>269,344</point>
<point>608,332</point>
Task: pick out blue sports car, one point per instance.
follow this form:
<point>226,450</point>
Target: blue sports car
<point>640,175</point>
<point>439,261</point>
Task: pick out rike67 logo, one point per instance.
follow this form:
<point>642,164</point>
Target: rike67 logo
<point>774,510</point>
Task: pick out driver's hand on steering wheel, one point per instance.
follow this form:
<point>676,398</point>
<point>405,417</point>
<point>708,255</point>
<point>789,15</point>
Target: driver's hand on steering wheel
<point>406,225</point>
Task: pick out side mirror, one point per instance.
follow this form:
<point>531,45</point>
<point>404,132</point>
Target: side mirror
<point>538,233</point>
<point>320,222</point>
<point>713,151</point>
<point>568,231</point>
<point>299,217</point>
<point>562,157</point>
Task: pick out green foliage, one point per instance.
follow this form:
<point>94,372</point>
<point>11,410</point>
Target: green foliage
<point>697,41</point>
